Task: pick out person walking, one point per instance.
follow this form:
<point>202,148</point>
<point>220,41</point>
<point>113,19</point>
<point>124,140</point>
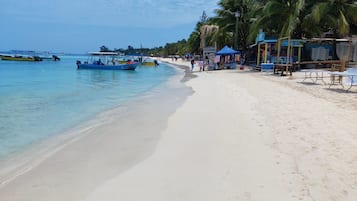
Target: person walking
<point>192,64</point>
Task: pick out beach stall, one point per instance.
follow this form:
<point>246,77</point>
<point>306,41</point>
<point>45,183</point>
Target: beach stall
<point>288,55</point>
<point>322,53</point>
<point>209,54</point>
<point>263,52</point>
<point>317,50</point>
<point>272,51</point>
<point>266,54</point>
<point>228,58</point>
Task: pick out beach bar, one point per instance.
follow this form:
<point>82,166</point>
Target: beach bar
<point>275,52</point>
<point>288,55</point>
<point>265,54</point>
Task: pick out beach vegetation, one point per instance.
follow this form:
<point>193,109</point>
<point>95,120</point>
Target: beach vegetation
<point>233,26</point>
<point>104,48</point>
<point>242,20</point>
<point>237,22</point>
<point>336,15</point>
<point>194,41</point>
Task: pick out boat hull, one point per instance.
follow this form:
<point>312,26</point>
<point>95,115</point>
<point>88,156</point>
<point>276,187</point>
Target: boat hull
<point>12,58</point>
<point>152,64</point>
<point>108,67</point>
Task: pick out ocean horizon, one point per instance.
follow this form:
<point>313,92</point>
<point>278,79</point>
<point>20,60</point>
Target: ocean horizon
<point>39,100</point>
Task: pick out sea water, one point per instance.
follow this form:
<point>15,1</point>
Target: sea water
<point>42,99</point>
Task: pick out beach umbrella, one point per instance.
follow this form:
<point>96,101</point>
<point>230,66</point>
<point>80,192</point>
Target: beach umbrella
<point>227,51</point>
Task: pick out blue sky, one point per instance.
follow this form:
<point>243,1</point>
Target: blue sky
<point>79,26</point>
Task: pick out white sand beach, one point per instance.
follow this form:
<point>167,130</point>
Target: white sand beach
<point>240,136</point>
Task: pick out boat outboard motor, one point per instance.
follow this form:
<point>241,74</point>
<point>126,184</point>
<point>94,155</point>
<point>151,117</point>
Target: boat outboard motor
<point>156,63</point>
<point>55,58</point>
<point>78,63</point>
<point>37,58</point>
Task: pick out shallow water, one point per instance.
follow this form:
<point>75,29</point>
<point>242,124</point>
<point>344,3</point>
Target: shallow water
<point>42,99</point>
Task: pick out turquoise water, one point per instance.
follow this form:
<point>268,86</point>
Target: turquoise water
<point>42,99</point>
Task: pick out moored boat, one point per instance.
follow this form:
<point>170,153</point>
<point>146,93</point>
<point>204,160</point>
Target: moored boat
<point>20,58</point>
<point>47,56</point>
<point>105,61</point>
<point>150,62</point>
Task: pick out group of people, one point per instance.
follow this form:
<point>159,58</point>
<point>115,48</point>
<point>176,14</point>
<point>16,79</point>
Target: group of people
<point>201,63</point>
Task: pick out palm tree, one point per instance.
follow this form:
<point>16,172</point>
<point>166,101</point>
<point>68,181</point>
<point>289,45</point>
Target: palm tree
<point>339,15</point>
<point>279,17</point>
<point>221,38</point>
<point>205,31</point>
<point>227,21</point>
<point>194,41</point>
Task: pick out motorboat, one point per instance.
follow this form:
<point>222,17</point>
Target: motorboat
<point>20,58</point>
<point>47,56</point>
<point>150,62</point>
<point>106,61</point>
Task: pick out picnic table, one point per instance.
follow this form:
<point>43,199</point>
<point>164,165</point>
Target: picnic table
<point>314,75</point>
<point>350,78</point>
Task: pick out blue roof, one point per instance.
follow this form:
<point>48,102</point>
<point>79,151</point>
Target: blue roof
<point>268,41</point>
<point>293,43</point>
<point>227,50</point>
<point>284,43</point>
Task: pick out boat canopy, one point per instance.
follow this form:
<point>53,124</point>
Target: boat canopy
<point>102,53</point>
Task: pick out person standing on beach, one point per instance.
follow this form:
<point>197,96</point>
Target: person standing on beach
<point>200,64</point>
<point>192,64</point>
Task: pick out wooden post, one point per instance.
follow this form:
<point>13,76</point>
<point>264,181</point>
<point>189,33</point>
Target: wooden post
<point>278,45</point>
<point>258,56</point>
<point>288,56</point>
<point>266,53</point>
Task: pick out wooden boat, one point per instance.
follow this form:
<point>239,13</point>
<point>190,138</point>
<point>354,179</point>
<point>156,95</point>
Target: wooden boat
<point>149,62</point>
<point>20,58</point>
<point>105,61</point>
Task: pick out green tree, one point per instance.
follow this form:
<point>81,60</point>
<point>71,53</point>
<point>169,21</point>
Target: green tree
<point>193,43</point>
<point>280,17</point>
<point>206,32</point>
<point>227,21</point>
<point>338,15</point>
<point>104,48</point>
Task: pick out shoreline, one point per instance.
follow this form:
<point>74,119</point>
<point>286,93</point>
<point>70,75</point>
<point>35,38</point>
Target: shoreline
<point>19,165</point>
<point>232,135</point>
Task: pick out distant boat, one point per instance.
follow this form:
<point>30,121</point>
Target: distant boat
<point>28,55</point>
<point>47,56</point>
<point>150,62</point>
<point>106,61</point>
<point>20,58</point>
